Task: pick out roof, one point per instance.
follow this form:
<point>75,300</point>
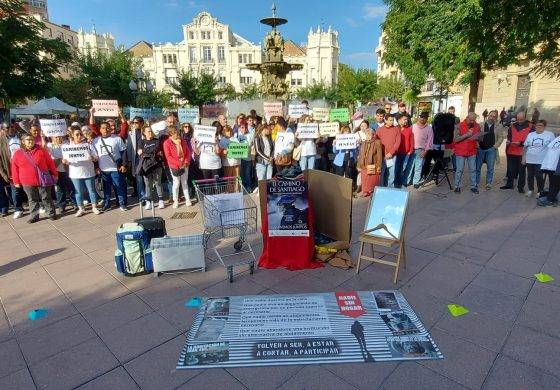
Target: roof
<point>293,50</point>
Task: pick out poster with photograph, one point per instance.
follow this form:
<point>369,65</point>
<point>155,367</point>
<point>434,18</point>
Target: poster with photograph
<point>312,328</point>
<point>386,300</point>
<point>287,208</point>
<point>386,212</point>
<point>53,127</point>
<point>105,108</point>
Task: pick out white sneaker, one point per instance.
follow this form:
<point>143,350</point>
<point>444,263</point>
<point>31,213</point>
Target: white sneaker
<point>161,204</point>
<point>42,211</point>
<point>148,205</point>
<point>80,212</point>
<point>85,202</point>
<point>18,214</point>
<point>95,210</point>
<point>188,204</point>
<point>529,194</point>
<point>175,205</point>
<point>123,208</point>
<point>256,190</point>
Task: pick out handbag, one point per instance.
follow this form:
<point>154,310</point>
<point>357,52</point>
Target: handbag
<point>118,162</point>
<point>371,169</point>
<point>283,160</point>
<point>46,179</point>
<point>296,154</point>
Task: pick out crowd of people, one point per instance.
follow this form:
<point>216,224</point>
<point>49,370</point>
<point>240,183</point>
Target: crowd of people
<point>393,150</point>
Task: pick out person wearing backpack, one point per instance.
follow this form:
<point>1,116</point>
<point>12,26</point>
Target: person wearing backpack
<point>35,171</point>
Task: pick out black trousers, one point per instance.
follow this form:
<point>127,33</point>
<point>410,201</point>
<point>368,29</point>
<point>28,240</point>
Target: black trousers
<point>210,173</point>
<point>554,187</point>
<point>37,196</point>
<point>534,172</point>
<point>515,170</point>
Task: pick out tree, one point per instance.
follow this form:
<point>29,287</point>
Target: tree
<point>28,62</point>
<point>74,91</point>
<point>457,40</point>
<point>161,99</point>
<point>250,91</point>
<point>196,90</point>
<point>226,92</point>
<point>355,85</point>
<point>393,89</point>
<point>317,91</point>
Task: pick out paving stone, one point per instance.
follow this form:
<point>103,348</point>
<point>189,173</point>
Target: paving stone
<point>263,377</point>
<point>138,336</point>
<point>503,282</point>
<point>322,380</point>
<point>514,265</point>
<point>116,379</point>
<point>510,374</point>
<point>166,292</point>
<point>540,317</point>
<point>362,375</point>
<point>215,378</point>
<point>467,252</point>
<point>6,332</point>
<point>481,299</point>
<point>428,308</point>
<point>20,380</point>
<point>411,375</point>
<point>74,366</point>
<point>546,293</point>
<point>242,285</point>
<point>179,315</point>
<point>534,348</point>
<point>11,359</point>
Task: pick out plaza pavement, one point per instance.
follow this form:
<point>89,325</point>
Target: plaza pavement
<point>106,331</point>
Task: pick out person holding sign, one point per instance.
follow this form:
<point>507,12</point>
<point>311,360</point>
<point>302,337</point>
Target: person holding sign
<point>208,153</point>
<point>370,162</point>
<point>246,138</point>
<point>345,159</point>
<point>390,137</point>
<point>64,188</point>
<point>82,172</point>
<point>178,156</point>
<point>308,142</point>
<point>283,145</point>
<point>231,165</point>
<point>466,141</point>
<point>123,131</point>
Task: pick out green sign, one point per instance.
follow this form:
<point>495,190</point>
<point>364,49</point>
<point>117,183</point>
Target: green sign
<point>238,150</point>
<point>339,114</point>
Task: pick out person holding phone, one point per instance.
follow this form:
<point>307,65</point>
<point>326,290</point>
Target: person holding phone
<point>466,140</point>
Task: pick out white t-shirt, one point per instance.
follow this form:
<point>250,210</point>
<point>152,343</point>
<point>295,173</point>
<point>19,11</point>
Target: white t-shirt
<point>283,139</point>
<point>536,145</point>
<point>208,158</point>
<point>115,146</point>
<point>550,160</point>
<point>308,147</point>
<point>14,144</point>
<point>83,169</point>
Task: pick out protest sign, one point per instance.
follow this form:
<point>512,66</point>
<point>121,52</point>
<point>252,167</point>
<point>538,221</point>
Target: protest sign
<point>205,133</point>
<point>307,130</point>
<point>105,108</point>
<point>145,113</point>
<point>297,110</point>
<point>346,141</point>
<point>339,114</point>
<point>287,206</point>
<point>321,113</point>
<point>312,328</point>
<point>53,127</point>
<point>329,129</point>
<point>159,128</point>
<point>271,109</point>
<point>213,110</point>
<point>188,115</point>
<point>238,150</point>
<point>75,153</point>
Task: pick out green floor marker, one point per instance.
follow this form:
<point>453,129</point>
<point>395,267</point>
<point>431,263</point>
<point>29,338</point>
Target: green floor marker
<point>544,278</point>
<point>457,310</point>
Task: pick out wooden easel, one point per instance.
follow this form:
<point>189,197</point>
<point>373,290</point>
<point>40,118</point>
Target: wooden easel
<point>365,238</point>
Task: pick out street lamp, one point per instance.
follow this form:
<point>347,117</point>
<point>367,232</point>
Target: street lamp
<point>141,84</point>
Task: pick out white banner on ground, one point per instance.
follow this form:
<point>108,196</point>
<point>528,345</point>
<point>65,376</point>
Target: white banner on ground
<point>297,110</point>
<point>205,134</point>
<point>53,127</point>
<point>307,130</point>
<point>75,153</point>
<point>346,141</point>
<point>329,129</point>
<point>105,108</point>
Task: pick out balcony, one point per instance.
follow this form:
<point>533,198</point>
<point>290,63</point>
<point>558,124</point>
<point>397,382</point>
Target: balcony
<point>207,61</point>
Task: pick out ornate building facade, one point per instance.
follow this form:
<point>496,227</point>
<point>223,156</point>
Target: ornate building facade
<point>211,46</point>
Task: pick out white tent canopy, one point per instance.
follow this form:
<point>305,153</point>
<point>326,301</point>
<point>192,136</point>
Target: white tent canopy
<point>50,106</point>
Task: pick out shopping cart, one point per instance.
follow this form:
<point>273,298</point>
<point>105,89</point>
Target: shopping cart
<point>228,212</point>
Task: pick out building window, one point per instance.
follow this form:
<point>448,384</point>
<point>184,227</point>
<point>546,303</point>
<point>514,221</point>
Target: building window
<point>221,54</point>
<point>220,35</point>
<point>245,58</point>
<point>207,54</point>
<point>175,58</point>
<point>192,54</point>
<point>170,80</point>
<point>222,79</point>
<point>206,35</point>
<point>191,35</point>
<point>240,58</point>
<point>296,82</point>
<point>246,80</point>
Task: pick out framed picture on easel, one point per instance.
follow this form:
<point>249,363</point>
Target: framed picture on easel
<point>385,226</point>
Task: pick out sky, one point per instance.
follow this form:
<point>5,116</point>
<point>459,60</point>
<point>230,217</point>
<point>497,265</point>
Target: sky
<point>357,22</point>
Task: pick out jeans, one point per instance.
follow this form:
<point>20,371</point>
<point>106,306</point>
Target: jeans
<point>471,163</point>
<point>140,187</point>
<point>264,171</point>
<point>247,174</point>
<point>487,156</point>
<point>415,173</point>
<point>307,162</point>
<point>153,179</point>
<point>4,201</point>
<point>534,172</point>
<point>166,173</point>
<point>64,190</point>
<point>388,174</point>
<point>37,196</point>
<point>17,198</point>
<point>515,171</point>
<point>90,186</point>
<point>554,187</point>
<point>118,180</point>
<point>403,166</point>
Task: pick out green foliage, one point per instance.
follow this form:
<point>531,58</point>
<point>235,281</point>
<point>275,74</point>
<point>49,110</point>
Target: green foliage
<point>393,89</point>
<point>226,92</point>
<point>355,85</point>
<point>28,62</point>
<point>196,90</point>
<point>318,91</point>
<point>250,92</point>
<point>161,99</point>
<point>74,91</point>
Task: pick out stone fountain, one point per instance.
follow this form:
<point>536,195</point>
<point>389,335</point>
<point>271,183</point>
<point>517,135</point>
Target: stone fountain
<point>273,68</point>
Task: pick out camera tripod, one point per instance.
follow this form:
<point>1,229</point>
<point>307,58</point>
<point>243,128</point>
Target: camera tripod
<point>437,168</point>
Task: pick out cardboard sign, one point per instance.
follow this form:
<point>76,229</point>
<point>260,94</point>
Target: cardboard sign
<point>307,130</point>
<point>53,127</point>
<point>188,115</point>
<point>75,153</point>
<point>159,128</point>
<point>312,328</point>
<point>205,134</point>
<point>238,150</point>
<point>105,108</point>
<point>297,110</point>
<point>346,141</point>
<point>339,114</point>
<point>272,109</point>
<point>329,129</point>
<point>145,113</point>
<point>321,113</point>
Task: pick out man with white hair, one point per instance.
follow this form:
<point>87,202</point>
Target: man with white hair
<point>490,140</point>
<point>517,135</point>
<point>466,140</point>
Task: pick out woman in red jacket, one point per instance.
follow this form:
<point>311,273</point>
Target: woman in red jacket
<point>34,170</point>
<point>178,157</point>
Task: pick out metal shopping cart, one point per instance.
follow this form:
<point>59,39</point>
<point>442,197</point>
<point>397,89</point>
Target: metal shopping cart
<point>228,212</point>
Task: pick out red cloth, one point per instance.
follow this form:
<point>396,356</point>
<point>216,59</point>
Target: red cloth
<point>123,132</point>
<point>517,136</point>
<point>24,171</point>
<point>292,253</point>
<point>369,182</point>
<point>390,138</point>
<point>467,147</point>
<point>407,141</point>
<point>172,154</point>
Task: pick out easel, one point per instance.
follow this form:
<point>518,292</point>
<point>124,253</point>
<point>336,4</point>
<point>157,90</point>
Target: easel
<point>365,238</point>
